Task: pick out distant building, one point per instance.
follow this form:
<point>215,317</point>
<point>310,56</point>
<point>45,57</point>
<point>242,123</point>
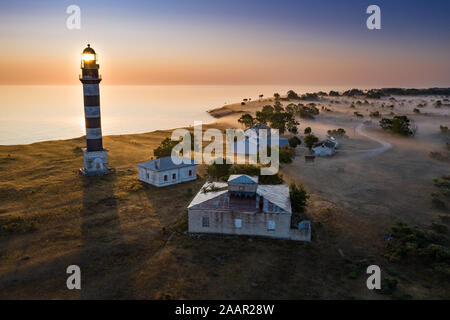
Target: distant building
<point>325,148</point>
<point>252,141</point>
<point>163,172</point>
<point>243,207</point>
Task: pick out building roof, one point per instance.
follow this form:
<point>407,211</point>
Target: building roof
<point>202,197</point>
<point>88,49</point>
<point>243,178</point>
<point>326,143</point>
<point>220,199</point>
<point>166,163</point>
<point>278,194</point>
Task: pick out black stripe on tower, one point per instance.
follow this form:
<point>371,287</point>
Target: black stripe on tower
<point>93,123</point>
<point>94,144</point>
<point>91,101</point>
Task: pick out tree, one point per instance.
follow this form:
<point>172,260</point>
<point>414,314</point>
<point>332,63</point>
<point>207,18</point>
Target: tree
<point>298,196</point>
<point>278,121</point>
<point>265,115</point>
<point>219,170</point>
<point>310,140</point>
<point>165,148</point>
<point>261,96</point>
<point>286,154</point>
<point>276,96</point>
<point>291,94</point>
<point>247,120</point>
<point>294,141</point>
<point>278,107</point>
<point>307,130</point>
<point>291,123</point>
<point>398,124</point>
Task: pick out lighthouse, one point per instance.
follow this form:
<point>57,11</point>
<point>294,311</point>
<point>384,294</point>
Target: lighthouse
<point>95,157</point>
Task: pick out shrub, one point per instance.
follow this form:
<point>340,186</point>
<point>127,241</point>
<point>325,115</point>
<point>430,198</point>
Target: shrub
<point>340,132</point>
<point>165,148</point>
<point>416,110</point>
<point>398,124</point>
<point>287,154</point>
<point>291,94</point>
<point>294,141</point>
<point>307,130</point>
<point>298,196</point>
<point>375,114</point>
<point>310,140</point>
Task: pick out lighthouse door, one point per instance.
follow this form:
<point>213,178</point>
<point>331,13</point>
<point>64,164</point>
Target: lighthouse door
<point>98,164</point>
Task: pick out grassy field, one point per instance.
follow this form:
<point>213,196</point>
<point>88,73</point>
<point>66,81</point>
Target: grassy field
<point>130,239</point>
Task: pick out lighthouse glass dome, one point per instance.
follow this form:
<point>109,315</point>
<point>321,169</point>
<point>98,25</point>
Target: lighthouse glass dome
<point>88,56</point>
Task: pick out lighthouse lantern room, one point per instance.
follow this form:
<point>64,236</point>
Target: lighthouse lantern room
<point>95,157</point>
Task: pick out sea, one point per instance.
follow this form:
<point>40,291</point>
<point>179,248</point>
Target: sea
<point>31,114</point>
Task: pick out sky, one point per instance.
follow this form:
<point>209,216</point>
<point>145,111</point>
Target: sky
<point>232,42</point>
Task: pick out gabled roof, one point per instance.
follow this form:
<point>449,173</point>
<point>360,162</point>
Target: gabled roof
<point>278,194</point>
<point>243,178</point>
<point>166,163</point>
<point>202,197</point>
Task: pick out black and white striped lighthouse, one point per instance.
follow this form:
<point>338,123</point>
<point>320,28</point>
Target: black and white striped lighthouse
<point>95,157</point>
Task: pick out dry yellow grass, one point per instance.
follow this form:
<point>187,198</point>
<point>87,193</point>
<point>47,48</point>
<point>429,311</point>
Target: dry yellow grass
<point>117,229</point>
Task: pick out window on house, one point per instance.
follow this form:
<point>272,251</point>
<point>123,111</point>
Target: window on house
<point>241,188</point>
<point>190,173</point>
<point>148,175</point>
<point>271,225</point>
<point>238,223</point>
<point>165,177</point>
<point>205,222</point>
<point>174,176</point>
<point>270,205</point>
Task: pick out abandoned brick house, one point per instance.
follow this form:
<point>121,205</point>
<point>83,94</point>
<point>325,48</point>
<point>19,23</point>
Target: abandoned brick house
<point>243,207</point>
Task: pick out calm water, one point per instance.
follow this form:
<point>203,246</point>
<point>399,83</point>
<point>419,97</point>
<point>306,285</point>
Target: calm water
<point>38,113</point>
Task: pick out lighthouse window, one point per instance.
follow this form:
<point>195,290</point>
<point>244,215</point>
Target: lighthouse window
<point>165,177</point>
<point>174,176</point>
<point>190,173</point>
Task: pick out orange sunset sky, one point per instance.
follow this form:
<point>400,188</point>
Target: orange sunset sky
<point>255,42</point>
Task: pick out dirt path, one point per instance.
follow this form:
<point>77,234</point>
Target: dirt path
<point>368,153</point>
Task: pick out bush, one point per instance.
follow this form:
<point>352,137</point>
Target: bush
<point>340,132</point>
<point>294,141</point>
<point>307,130</point>
<point>165,148</point>
<point>287,154</point>
<point>398,124</point>
<point>375,114</point>
<point>291,94</point>
<point>310,140</point>
<point>298,196</point>
<point>218,171</point>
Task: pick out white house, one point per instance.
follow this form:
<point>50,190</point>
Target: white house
<point>251,142</point>
<point>244,207</point>
<point>163,172</point>
<point>325,148</point>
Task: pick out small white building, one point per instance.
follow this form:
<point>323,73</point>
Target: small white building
<point>325,148</point>
<point>163,172</point>
<point>251,141</point>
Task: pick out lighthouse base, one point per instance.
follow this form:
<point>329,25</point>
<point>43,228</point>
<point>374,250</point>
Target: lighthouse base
<point>95,163</point>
